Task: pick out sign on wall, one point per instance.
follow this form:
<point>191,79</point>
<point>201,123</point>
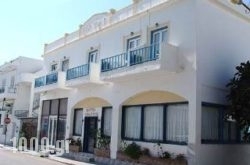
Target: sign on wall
<point>90,112</point>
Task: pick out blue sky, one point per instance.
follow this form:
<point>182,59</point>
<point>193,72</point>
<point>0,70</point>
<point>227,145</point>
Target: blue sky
<point>27,24</point>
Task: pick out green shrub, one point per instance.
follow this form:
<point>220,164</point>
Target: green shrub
<point>133,151</point>
<point>166,155</point>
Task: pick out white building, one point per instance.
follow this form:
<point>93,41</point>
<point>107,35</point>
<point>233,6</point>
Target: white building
<point>154,71</point>
<point>16,78</point>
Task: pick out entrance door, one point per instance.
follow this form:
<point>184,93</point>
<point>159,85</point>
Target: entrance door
<point>90,128</point>
<point>52,130</point>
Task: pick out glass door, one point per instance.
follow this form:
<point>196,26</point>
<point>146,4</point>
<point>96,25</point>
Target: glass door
<point>52,130</point>
<point>158,36</point>
<point>93,56</point>
<point>90,128</point>
<point>134,55</point>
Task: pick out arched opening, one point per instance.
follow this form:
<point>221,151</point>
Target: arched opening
<point>91,117</point>
<point>155,117</point>
<point>153,97</point>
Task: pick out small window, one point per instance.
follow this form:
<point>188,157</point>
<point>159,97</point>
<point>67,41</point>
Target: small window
<point>133,43</point>
<point>78,117</point>
<point>53,67</point>
<point>0,119</point>
<point>93,56</point>
<point>65,65</point>
<point>107,121</point>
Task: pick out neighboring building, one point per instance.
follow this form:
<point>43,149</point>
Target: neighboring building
<point>154,71</point>
<point>16,78</point>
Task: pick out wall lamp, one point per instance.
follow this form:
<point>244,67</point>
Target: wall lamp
<point>240,2</point>
<point>156,24</point>
<point>131,33</point>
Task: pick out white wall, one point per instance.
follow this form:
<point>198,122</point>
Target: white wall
<point>222,44</point>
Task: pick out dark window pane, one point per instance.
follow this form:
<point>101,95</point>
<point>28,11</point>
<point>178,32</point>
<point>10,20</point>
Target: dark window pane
<point>54,107</point>
<point>63,106</point>
<point>46,107</point>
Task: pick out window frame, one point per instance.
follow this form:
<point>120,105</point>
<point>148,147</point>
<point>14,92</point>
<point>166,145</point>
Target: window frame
<point>74,124</point>
<point>63,63</point>
<point>221,140</point>
<point>52,67</point>
<point>102,121</point>
<point>135,38</point>
<point>141,139</point>
<point>90,53</point>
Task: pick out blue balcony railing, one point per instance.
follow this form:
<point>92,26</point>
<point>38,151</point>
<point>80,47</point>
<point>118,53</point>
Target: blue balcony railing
<point>132,57</point>
<point>46,80</point>
<point>51,78</point>
<point>114,62</point>
<point>41,81</point>
<point>77,72</point>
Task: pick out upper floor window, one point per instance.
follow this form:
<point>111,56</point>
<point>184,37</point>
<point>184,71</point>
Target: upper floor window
<point>93,56</point>
<point>133,43</point>
<point>54,67</point>
<point>65,65</point>
<point>157,37</point>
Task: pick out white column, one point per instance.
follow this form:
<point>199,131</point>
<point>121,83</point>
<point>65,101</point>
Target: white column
<point>116,130</point>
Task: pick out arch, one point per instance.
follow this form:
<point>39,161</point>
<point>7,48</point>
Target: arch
<point>92,102</point>
<point>153,97</point>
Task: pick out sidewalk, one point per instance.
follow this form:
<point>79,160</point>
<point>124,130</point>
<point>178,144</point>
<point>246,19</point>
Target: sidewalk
<point>51,157</point>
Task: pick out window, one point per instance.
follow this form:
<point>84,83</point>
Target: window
<point>135,55</point>
<point>133,43</point>
<point>133,122</point>
<point>106,121</point>
<point>65,65</point>
<point>166,123</point>
<point>53,67</point>
<point>93,56</point>
<point>177,123</point>
<point>215,129</point>
<point>78,117</point>
<point>153,123</point>
<point>0,119</point>
<point>157,37</point>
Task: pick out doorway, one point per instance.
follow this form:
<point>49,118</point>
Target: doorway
<point>90,128</point>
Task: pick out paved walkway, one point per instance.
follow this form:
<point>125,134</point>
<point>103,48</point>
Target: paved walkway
<point>10,156</point>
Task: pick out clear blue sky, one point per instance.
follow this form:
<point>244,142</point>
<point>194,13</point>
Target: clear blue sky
<point>27,24</point>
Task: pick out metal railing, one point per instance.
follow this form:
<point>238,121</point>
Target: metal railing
<point>51,78</point>
<point>132,57</point>
<point>77,72</point>
<point>21,113</point>
<point>114,62</point>
<point>46,80</point>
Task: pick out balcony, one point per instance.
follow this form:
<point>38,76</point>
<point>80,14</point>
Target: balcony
<point>156,58</point>
<point>83,75</point>
<point>49,82</point>
<point>8,92</point>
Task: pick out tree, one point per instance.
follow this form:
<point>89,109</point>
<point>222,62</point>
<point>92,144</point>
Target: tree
<point>239,98</point>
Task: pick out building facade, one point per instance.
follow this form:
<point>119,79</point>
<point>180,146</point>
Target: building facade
<point>152,72</point>
<point>16,78</point>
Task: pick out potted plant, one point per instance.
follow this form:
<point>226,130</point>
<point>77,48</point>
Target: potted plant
<point>75,145</point>
<point>102,145</point>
